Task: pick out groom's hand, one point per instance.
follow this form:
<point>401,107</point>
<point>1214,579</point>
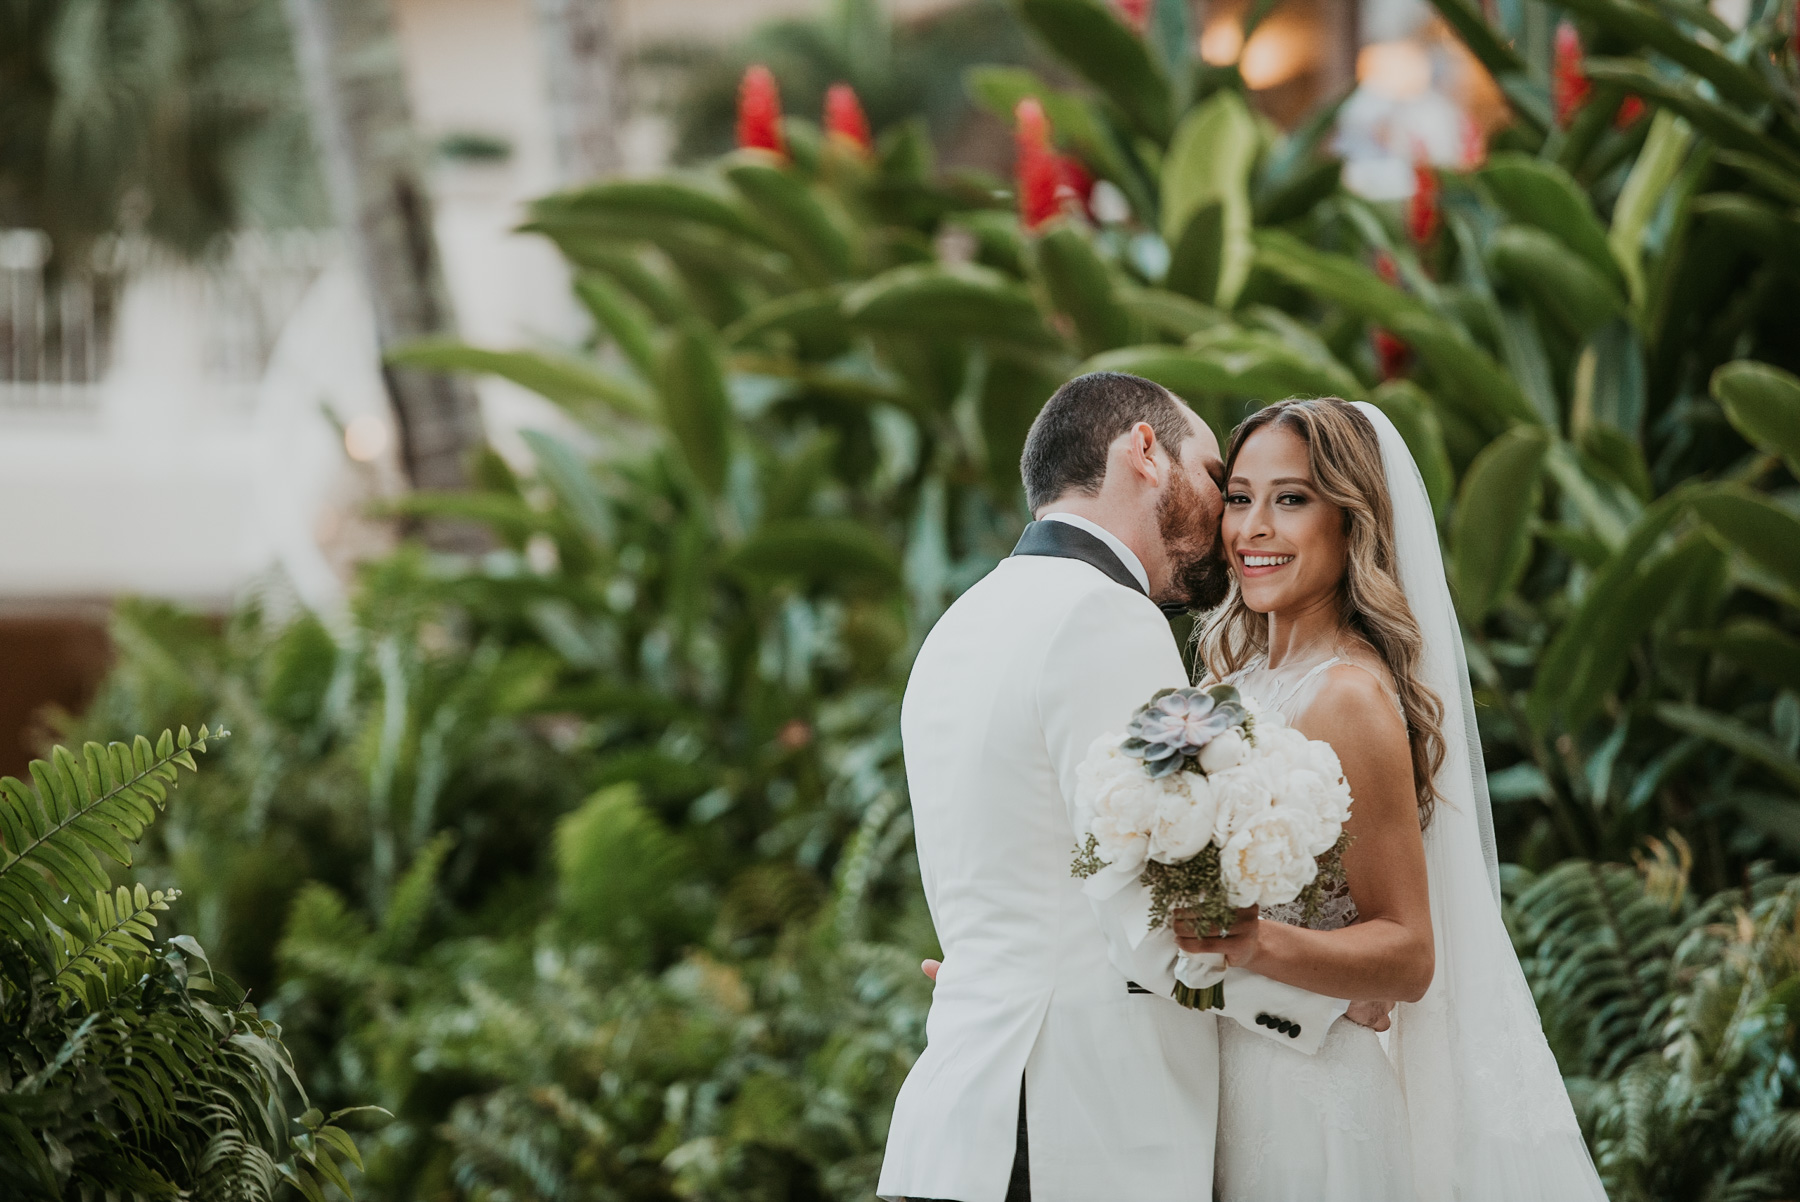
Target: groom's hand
<point>1238,945</point>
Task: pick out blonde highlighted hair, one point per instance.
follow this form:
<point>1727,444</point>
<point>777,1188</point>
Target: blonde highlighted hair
<point>1344,454</point>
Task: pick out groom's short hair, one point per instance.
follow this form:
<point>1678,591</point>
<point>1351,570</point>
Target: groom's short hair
<point>1065,452</point>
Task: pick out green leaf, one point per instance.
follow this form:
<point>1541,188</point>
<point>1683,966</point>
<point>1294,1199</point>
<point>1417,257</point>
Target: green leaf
<point>1729,128</point>
<point>1197,257</point>
<point>1491,530</point>
<point>1760,531</point>
<point>1090,38</point>
<point>1541,194</point>
<point>1081,285</point>
<point>1657,165</point>
<point>960,300</point>
<point>1561,284</point>
<point>1229,362</point>
<point>1645,27</point>
<point>649,204</point>
<point>571,384</point>
<point>622,318</point>
<point>696,406</point>
<point>1763,649</point>
<point>1169,313</point>
<point>1763,402</point>
<point>1411,411</point>
<point>1467,375</point>
<point>819,551</point>
<point>1209,162</point>
<point>817,312</point>
<point>796,217</point>
<point>1728,732</point>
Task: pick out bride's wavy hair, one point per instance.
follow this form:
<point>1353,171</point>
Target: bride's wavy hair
<point>1344,453</point>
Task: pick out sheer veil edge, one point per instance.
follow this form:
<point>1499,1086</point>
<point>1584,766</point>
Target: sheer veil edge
<point>1490,1118</point>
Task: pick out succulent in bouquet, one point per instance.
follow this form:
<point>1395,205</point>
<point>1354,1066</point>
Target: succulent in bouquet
<point>1214,805</point>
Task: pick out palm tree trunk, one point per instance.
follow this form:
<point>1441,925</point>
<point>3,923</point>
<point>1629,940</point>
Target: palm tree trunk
<point>349,56</point>
<point>580,40</point>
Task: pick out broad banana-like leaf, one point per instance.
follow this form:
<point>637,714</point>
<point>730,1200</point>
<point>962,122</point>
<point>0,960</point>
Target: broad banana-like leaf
<point>696,405</point>
<point>1491,530</point>
<point>572,480</point>
<point>819,551</point>
<point>1609,452</point>
<point>1763,402</point>
<point>1759,530</point>
<point>1209,162</point>
<point>796,218</point>
<point>1413,414</point>
<point>1012,393</point>
<point>949,300</point>
<point>1169,313</point>
<point>1764,649</point>
<point>1073,121</point>
<point>816,312</point>
<point>622,318</point>
<point>1648,28</point>
<point>1089,37</point>
<point>570,383</point>
<point>1080,285</point>
<point>1759,227</point>
<point>1562,284</point>
<point>1467,375</point>
<point>648,203</point>
<point>1736,736</point>
<point>1569,651</point>
<point>1645,597</point>
<point>1724,125</point>
<point>1541,194</point>
<point>1664,150</point>
<point>1197,257</point>
<point>1226,363</point>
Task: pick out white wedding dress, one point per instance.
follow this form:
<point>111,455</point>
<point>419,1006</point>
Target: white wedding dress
<point>1330,1127</point>
<point>1465,1103</point>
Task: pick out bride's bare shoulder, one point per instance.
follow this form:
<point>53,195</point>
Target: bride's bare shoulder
<point>1355,699</point>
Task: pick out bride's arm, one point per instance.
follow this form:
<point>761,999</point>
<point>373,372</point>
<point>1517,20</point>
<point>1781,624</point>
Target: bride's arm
<point>1387,954</point>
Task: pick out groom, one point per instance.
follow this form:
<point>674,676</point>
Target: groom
<point>1057,1065</point>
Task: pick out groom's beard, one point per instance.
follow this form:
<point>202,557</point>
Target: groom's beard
<point>1199,576</point>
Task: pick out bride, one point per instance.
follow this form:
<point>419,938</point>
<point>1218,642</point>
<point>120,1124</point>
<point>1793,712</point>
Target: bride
<point>1340,619</point>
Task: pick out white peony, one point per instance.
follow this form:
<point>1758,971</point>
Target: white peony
<point>1240,794</point>
<point>1266,862</point>
<point>1225,751</point>
<point>1124,848</point>
<point>1184,818</point>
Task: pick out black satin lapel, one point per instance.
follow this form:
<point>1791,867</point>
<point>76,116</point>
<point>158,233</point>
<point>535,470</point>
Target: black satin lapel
<point>1059,540</point>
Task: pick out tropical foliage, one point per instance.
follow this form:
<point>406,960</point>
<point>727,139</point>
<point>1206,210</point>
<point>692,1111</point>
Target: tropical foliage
<point>128,1067</point>
<point>589,856</point>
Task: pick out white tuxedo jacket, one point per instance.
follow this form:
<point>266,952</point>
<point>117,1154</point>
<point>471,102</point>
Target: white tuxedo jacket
<point>1008,692</point>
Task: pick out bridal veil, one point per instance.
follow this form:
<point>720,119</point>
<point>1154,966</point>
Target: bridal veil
<point>1490,1118</point>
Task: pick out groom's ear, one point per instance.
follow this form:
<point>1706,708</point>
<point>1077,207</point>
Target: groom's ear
<point>1139,445</point>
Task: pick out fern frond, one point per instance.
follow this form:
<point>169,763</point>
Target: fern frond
<point>106,947</point>
<point>56,831</point>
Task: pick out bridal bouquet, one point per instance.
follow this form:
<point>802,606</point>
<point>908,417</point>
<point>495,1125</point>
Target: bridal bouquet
<point>1214,804</point>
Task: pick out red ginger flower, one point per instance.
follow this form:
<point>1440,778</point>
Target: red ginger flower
<point>1630,109</point>
<point>844,116</point>
<point>1569,82</point>
<point>1135,13</point>
<point>759,112</point>
<point>1422,209</point>
<point>1391,354</point>
<point>1039,168</point>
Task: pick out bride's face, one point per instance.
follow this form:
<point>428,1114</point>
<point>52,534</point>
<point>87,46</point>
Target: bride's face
<point>1286,541</point>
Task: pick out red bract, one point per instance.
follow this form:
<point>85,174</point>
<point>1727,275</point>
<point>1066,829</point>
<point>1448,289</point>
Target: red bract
<point>1136,13</point>
<point>1039,170</point>
<point>1077,184</point>
<point>1422,210</point>
<point>1391,354</point>
<point>1630,109</point>
<point>844,116</point>
<point>759,112</point>
<point>1386,268</point>
<point>1569,83</point>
